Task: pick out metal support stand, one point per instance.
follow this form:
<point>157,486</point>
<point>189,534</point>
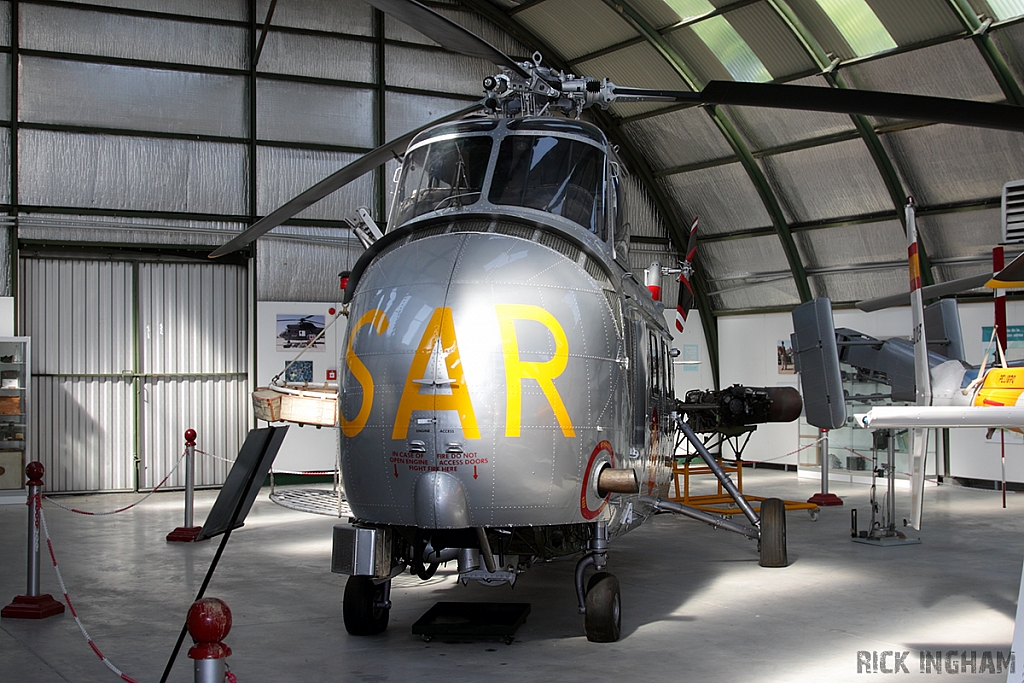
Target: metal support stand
<point>886,534</point>
<point>189,532</point>
<point>824,498</point>
<point>32,605</point>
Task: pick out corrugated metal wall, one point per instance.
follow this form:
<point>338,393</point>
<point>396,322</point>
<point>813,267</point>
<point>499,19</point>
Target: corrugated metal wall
<point>126,356</point>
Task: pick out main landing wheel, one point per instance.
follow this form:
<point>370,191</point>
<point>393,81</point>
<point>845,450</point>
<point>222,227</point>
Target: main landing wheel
<point>603,620</point>
<point>773,534</point>
<point>365,608</point>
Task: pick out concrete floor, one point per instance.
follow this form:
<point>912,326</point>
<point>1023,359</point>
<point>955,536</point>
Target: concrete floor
<point>696,605</point>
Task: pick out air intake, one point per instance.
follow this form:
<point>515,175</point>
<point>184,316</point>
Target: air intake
<point>1013,211</point>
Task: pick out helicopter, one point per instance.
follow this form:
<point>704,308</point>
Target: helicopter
<point>302,332</point>
<point>506,386</point>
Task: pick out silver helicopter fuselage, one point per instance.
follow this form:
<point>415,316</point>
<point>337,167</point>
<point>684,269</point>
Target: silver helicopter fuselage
<point>498,355</point>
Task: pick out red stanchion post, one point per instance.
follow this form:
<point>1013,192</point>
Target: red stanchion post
<point>209,622</point>
<point>33,605</point>
<point>188,533</point>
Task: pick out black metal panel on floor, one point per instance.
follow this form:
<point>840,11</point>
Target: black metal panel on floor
<point>472,620</point>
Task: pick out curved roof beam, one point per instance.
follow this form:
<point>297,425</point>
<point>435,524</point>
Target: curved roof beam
<point>678,233</point>
<point>732,136</point>
<point>989,52</point>
<point>883,163</point>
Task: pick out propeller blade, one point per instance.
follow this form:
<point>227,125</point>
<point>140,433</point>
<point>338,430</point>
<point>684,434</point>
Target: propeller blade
<point>1010,277</point>
<point>331,183</point>
<point>446,32</point>
<point>840,101</point>
<point>930,292</point>
<point>685,300</point>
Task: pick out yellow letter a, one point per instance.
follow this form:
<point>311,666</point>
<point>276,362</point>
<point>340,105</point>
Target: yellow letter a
<point>440,327</point>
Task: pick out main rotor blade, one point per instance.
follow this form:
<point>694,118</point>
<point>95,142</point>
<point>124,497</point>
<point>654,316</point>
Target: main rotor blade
<point>331,183</point>
<point>446,32</point>
<point>842,101</point>
<point>930,292</point>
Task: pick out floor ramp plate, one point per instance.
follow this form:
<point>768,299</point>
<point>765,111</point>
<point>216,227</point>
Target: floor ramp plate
<point>472,620</point>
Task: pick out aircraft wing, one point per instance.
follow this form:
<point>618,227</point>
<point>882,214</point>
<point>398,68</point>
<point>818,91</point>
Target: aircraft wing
<point>927,417</point>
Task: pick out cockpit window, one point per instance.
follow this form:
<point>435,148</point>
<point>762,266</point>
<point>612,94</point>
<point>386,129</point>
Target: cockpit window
<point>553,174</point>
<point>442,174</point>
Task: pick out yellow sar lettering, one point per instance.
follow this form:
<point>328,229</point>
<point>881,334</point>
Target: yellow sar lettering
<point>441,329</point>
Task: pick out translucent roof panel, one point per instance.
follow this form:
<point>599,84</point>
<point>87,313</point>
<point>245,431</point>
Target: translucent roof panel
<point>776,46</point>
<point>594,26</point>
<point>662,13</point>
<point>734,53</point>
<point>944,164</point>
<point>827,182</point>
<point>859,24</point>
<point>764,128</point>
<point>1006,9</point>
<point>723,196</point>
<point>853,285</point>
<point>852,245</point>
<point>678,138</point>
<point>915,21</point>
<point>821,26</point>
<point>960,234</point>
<point>701,60</point>
<point>688,9</point>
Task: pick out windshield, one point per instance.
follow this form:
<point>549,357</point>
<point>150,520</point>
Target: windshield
<point>552,174</point>
<point>442,174</point>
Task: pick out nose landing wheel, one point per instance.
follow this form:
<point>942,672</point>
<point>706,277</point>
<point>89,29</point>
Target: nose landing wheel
<point>603,619</point>
<point>367,606</point>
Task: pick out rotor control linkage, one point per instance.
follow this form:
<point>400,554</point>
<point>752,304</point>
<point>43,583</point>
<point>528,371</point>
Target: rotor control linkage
<point>596,556</point>
<point>722,477</point>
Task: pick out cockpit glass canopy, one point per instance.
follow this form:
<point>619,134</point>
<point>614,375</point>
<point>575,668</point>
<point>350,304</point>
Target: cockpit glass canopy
<point>557,175</point>
<point>442,174</point>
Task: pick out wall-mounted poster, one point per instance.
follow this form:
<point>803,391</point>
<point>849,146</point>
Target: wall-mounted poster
<point>300,331</point>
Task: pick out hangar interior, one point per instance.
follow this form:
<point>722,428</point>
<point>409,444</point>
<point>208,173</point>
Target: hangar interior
<point>137,135</point>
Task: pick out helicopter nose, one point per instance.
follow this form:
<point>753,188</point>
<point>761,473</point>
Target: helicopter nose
<point>440,502</point>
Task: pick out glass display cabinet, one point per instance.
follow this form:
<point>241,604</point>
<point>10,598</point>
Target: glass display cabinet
<point>15,402</point>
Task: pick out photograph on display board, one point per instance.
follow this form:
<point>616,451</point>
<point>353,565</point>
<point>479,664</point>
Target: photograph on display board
<point>784,350</point>
<point>300,331</point>
<point>299,371</point>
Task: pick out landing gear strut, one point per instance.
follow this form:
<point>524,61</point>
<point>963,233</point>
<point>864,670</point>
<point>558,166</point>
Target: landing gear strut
<point>367,606</point>
<point>600,602</point>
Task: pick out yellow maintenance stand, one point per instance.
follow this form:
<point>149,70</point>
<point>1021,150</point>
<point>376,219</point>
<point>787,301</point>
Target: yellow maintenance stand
<point>721,503</point>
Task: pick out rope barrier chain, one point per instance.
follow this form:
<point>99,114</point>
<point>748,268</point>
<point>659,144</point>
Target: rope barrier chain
<point>41,522</point>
